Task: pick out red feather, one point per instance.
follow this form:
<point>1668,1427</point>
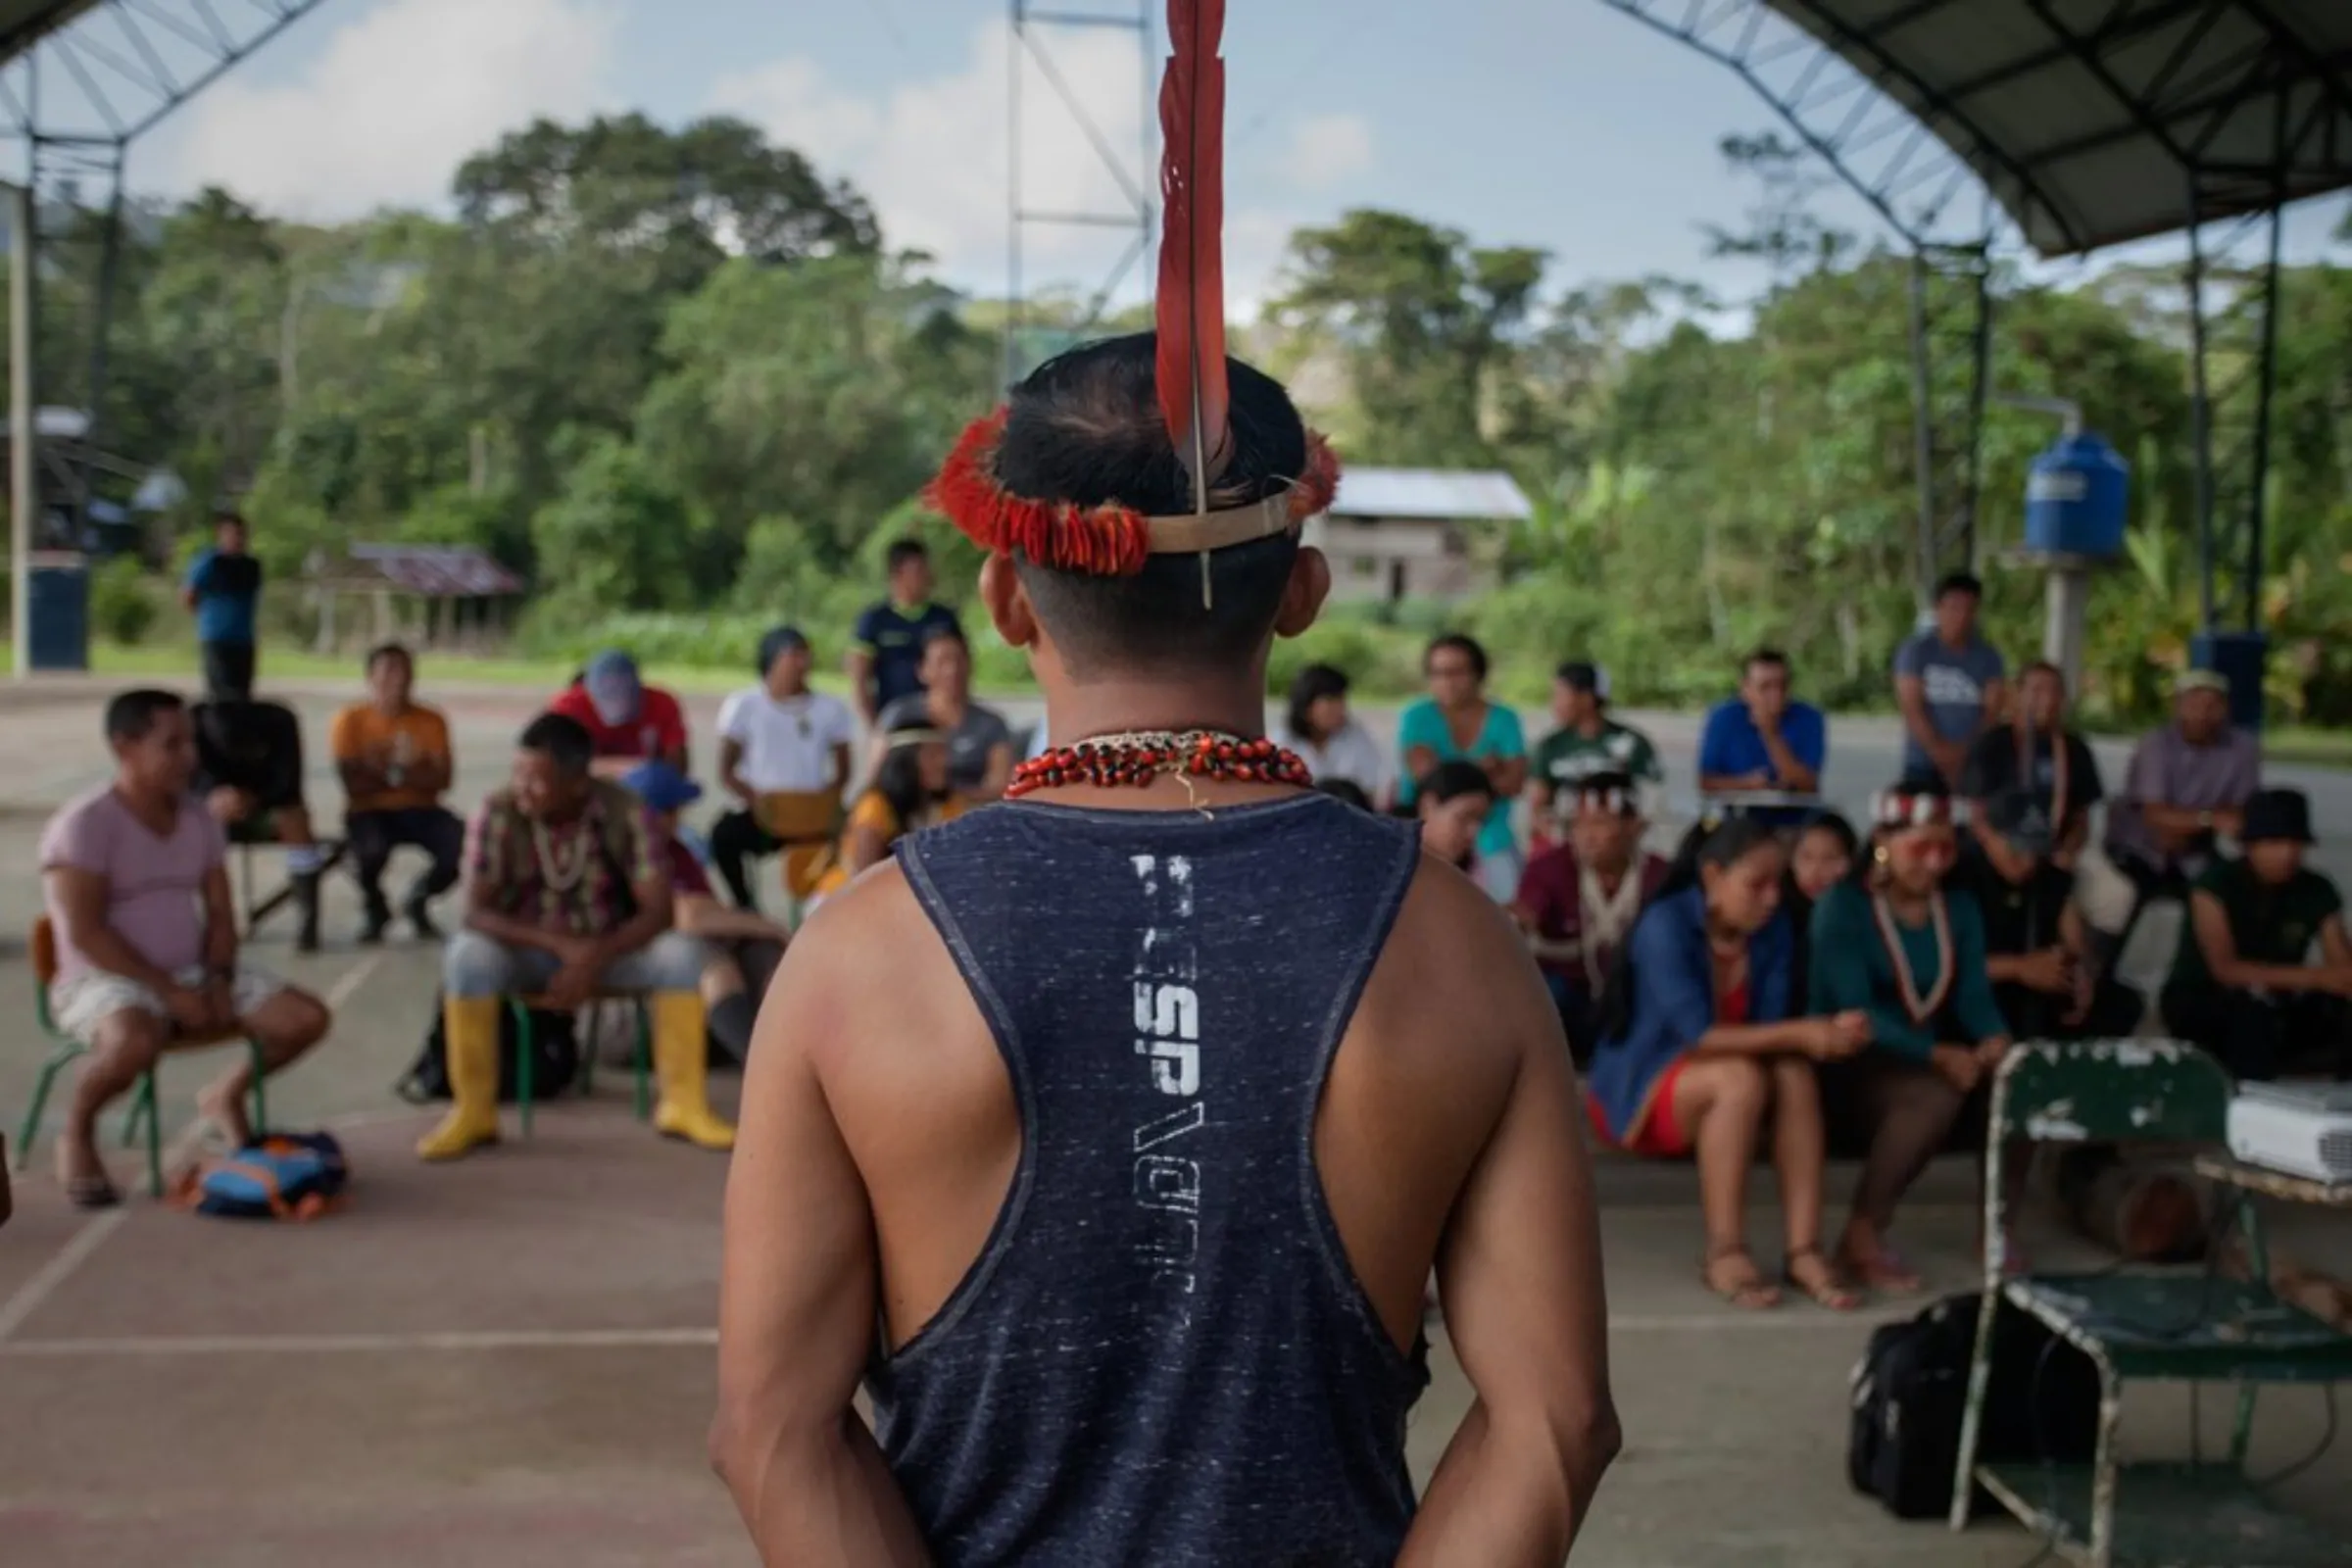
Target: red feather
<point>1191,305</point>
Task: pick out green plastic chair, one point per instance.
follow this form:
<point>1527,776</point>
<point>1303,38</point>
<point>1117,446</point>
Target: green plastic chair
<point>527,1056</point>
<point>62,1050</point>
<point>2191,1325</point>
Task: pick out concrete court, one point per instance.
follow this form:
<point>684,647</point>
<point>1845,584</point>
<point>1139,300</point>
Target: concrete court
<point>509,1363</point>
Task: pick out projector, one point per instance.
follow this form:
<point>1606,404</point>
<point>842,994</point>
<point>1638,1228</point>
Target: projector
<point>2301,1129</point>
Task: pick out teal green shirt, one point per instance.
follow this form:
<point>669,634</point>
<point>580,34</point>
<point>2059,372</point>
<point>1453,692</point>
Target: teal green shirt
<point>1854,972</point>
<point>1424,724</point>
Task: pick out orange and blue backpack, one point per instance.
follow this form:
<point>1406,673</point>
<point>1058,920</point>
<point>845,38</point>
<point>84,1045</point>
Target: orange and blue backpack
<point>297,1176</point>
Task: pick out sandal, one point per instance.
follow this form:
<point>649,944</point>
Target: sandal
<point>1751,1294</point>
<point>1827,1289</point>
<point>92,1193</point>
<point>1883,1271</point>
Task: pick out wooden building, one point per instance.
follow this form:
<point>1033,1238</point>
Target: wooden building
<point>1414,533</point>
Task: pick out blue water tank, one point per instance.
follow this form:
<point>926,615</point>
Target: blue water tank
<point>58,622</point>
<point>2077,497</point>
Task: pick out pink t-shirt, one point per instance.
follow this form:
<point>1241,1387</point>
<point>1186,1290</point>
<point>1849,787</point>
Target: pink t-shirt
<point>154,886</point>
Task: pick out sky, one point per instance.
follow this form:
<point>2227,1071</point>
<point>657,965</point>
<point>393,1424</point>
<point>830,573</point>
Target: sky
<point>1557,124</point>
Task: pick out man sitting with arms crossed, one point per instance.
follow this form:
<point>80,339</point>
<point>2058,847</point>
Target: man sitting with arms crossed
<point>1030,1092</point>
<point>396,763</point>
<point>776,738</point>
<point>565,897</point>
<point>134,876</point>
<point>2185,791</point>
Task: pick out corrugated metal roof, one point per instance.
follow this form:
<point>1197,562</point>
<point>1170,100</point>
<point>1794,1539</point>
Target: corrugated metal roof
<point>1467,495</point>
<point>436,571</point>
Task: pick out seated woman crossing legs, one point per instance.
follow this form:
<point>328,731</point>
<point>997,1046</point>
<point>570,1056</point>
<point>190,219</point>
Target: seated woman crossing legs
<point>565,897</point>
<point>1698,1054</point>
<point>1896,946</point>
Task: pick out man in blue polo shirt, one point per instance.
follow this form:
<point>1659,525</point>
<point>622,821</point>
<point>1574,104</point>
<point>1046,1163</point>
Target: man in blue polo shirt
<point>223,586</point>
<point>886,656</point>
<point>1763,739</point>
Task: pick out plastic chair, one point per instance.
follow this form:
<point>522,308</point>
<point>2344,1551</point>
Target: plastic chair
<point>2196,1325</point>
<point>806,823</point>
<point>527,1056</point>
<point>63,1049</point>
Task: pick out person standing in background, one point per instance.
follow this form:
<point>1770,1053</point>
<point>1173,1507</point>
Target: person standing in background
<point>1455,722</point>
<point>224,587</point>
<point>886,656</point>
<point>1949,682</point>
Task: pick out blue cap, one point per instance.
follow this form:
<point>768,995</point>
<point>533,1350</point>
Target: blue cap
<point>662,787</point>
<point>613,686</point>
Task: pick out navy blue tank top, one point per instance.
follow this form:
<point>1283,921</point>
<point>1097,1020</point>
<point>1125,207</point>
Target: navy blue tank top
<point>1161,1356</point>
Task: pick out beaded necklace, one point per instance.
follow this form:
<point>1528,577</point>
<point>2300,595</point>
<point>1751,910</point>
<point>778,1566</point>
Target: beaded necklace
<point>1138,759</point>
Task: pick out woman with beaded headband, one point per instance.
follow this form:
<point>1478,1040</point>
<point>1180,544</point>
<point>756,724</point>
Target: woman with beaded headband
<point>1131,1116</point>
<point>1895,943</point>
<point>913,788</point>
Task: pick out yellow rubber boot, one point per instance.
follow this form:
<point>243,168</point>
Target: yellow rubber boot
<point>470,1024</point>
<point>680,1060</point>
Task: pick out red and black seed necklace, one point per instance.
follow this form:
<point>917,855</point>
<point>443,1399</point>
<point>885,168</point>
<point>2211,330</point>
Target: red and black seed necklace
<point>1137,759</point>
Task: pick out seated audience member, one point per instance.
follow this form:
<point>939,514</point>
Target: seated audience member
<point>1578,901</point>
<point>1763,740</point>
<point>776,738</point>
<point>911,791</point>
<point>2244,986</point>
<point>1457,801</point>
<point>249,776</point>
<point>740,948</point>
<point>135,882</point>
<point>1896,946</point>
<point>1820,856</point>
<point>2043,763</point>
<point>2036,943</point>
<point>1328,740</point>
<point>627,721</point>
<point>396,762</point>
<point>567,895</point>
<point>1949,683</point>
<point>1585,741</point>
<point>979,741</point>
<point>1457,723</point>
<point>1699,1051</point>
<point>1343,789</point>
<point>2185,789</point>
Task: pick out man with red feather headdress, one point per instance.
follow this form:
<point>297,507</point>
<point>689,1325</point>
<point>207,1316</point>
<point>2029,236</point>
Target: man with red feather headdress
<point>1109,1136</point>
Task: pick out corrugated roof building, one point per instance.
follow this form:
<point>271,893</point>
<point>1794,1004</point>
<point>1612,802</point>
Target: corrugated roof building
<point>1405,533</point>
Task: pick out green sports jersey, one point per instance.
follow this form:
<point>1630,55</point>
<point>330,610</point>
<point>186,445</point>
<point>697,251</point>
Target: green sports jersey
<point>1568,756</point>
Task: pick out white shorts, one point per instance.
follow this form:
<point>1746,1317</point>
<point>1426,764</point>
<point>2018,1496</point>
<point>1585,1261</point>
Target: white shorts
<point>87,1001</point>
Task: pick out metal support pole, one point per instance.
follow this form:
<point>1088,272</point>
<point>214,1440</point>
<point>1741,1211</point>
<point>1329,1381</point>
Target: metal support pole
<point>1012,203</point>
<point>24,489</point>
<point>2066,614</point>
<point>2200,405</point>
<point>2257,505</point>
<point>1922,430</point>
<point>110,268</point>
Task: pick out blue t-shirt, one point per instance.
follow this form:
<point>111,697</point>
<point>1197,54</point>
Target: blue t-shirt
<point>895,638</point>
<point>1954,680</point>
<point>1424,724</point>
<point>1732,747</point>
<point>226,588</point>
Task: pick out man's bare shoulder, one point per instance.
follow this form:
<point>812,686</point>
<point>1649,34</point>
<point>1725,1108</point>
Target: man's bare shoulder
<point>865,970</point>
<point>1456,978</point>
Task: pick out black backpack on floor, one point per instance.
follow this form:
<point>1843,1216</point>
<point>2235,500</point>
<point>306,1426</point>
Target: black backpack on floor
<point>555,1058</point>
<point>2042,1405</point>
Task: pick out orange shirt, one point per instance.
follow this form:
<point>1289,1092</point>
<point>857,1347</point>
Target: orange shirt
<point>363,733</point>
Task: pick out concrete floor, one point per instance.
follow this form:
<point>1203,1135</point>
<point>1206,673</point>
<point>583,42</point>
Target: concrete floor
<point>509,1363</point>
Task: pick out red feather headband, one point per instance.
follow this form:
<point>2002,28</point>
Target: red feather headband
<point>1899,809</point>
<point>1189,369</point>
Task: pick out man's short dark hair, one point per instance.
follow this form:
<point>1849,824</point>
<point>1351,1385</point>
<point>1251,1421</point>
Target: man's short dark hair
<point>562,740</point>
<point>230,517</point>
<point>131,715</point>
<point>1086,429</point>
<point>1959,582</point>
<point>1463,644</point>
<point>383,651</point>
<point>2040,666</point>
<point>903,550</point>
<point>1453,779</point>
<point>1771,657</point>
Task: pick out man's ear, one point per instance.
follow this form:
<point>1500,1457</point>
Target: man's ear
<point>1008,602</point>
<point>1303,594</point>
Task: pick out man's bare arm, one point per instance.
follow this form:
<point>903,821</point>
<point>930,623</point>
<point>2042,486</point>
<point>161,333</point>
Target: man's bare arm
<point>483,914</point>
<point>1520,1278</point>
<point>730,775</point>
<point>860,662</point>
<point>797,1307</point>
<point>1911,696</point>
<point>1795,776</point>
<point>81,901</point>
<point>219,923</point>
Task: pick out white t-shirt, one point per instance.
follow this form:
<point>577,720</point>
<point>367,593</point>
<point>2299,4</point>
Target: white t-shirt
<point>788,743</point>
<point>1349,753</point>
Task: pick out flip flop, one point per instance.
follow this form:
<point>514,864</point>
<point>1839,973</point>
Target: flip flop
<point>91,1193</point>
<point>1828,1291</point>
<point>1755,1294</point>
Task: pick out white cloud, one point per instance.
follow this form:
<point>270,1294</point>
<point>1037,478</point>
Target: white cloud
<point>1328,149</point>
<point>395,102</point>
<point>934,157</point>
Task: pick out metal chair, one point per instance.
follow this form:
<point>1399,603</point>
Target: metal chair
<point>63,1049</point>
<point>527,1056</point>
<point>2197,1325</point>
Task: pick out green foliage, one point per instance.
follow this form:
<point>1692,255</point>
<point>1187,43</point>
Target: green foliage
<point>122,606</point>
